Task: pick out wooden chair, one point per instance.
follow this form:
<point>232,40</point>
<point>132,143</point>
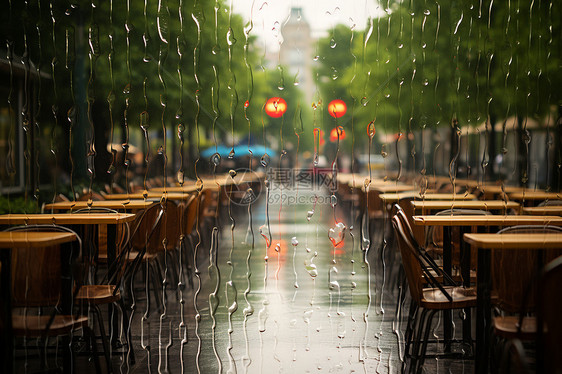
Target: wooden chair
<point>514,275</point>
<point>428,299</point>
<point>37,283</point>
<point>549,303</point>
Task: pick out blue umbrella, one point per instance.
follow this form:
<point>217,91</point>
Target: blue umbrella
<point>221,149</point>
<point>239,151</point>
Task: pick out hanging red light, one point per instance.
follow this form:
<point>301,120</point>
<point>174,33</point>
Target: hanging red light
<point>334,133</point>
<point>275,107</point>
<point>337,108</point>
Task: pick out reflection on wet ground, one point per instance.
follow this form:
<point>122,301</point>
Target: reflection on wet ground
<point>305,309</point>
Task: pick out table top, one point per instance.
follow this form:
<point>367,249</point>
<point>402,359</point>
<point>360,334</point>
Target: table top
<point>392,188</point>
<point>465,204</point>
<point>535,195</point>
<point>395,197</point>
<point>551,210</point>
<point>67,218</point>
<point>514,241</point>
<point>34,239</point>
<point>152,196</point>
<point>496,189</point>
<point>187,188</point>
<point>485,220</point>
<point>110,204</point>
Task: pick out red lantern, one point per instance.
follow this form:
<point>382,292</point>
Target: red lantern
<point>337,108</point>
<point>275,107</point>
<point>334,133</point>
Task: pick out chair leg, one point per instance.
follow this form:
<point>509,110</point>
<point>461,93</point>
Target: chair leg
<point>410,327</point>
<point>155,285</point>
<point>417,338</point>
<point>104,340</point>
<point>425,341</point>
<point>90,334</point>
<point>127,328</point>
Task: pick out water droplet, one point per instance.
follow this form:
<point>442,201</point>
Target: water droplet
<point>333,43</point>
<point>216,159</point>
<point>264,161</point>
<point>216,49</point>
<point>246,104</point>
<point>371,129</point>
<point>199,185</point>
<point>309,215</point>
<point>231,154</point>
<point>334,285</point>
<point>316,58</point>
<point>336,233</point>
<point>426,12</point>
<point>277,247</point>
<point>294,241</point>
<point>143,119</point>
<point>264,233</point>
<point>333,201</point>
<point>230,37</point>
<point>127,89</point>
<point>180,177</point>
<point>232,173</point>
<point>311,269</point>
<point>364,101</point>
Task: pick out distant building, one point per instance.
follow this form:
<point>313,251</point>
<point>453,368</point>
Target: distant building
<point>296,53</point>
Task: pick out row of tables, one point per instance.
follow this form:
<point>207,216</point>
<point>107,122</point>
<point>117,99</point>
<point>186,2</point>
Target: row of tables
<point>127,206</point>
<point>424,205</point>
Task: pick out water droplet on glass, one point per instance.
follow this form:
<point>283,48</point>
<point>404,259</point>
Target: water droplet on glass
<point>311,269</point>
<point>333,43</point>
<point>199,185</point>
<point>336,233</point>
<point>309,215</point>
<point>231,154</point>
<point>230,37</point>
<point>246,104</point>
<point>294,241</point>
<point>371,129</point>
<point>232,173</point>
<point>216,159</point>
<point>264,161</point>
<point>364,101</point>
<point>180,177</point>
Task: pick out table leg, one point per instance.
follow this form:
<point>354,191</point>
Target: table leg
<point>66,260</point>
<point>111,257</point>
<point>448,314</point>
<point>483,314</point>
<point>6,333</point>
<point>465,273</point>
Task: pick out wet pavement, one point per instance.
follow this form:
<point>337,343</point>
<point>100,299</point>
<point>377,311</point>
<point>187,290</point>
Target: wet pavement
<point>309,308</point>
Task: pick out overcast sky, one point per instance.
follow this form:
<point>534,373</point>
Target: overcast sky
<point>320,14</point>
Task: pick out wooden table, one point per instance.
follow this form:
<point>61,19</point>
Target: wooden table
<point>535,195</point>
<point>9,240</point>
<point>77,221</point>
<point>391,198</point>
<point>465,222</point>
<point>151,196</point>
<point>427,206</point>
<point>125,205</point>
<point>485,242</point>
<point>550,210</point>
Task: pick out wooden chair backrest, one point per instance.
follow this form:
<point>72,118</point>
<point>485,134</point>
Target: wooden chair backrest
<point>192,205</point>
<point>550,311</point>
<point>169,229</point>
<point>410,263</point>
<point>36,276</point>
<point>514,273</point>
